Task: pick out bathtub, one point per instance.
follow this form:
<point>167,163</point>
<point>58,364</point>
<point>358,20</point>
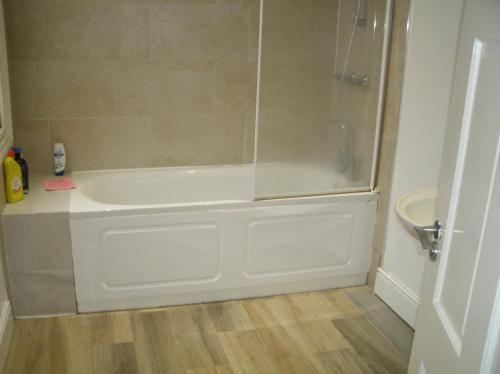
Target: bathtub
<point>165,236</point>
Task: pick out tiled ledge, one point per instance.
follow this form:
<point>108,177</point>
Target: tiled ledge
<point>38,251</point>
<point>39,201</point>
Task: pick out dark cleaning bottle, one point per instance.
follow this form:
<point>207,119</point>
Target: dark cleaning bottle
<point>24,169</point>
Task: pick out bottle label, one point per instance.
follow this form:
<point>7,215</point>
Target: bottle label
<point>16,185</point>
<point>58,164</point>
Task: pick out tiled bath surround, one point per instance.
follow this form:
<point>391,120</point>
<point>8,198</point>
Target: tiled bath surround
<point>38,253</point>
<point>148,83</point>
<point>156,83</point>
<point>133,83</point>
<point>40,264</point>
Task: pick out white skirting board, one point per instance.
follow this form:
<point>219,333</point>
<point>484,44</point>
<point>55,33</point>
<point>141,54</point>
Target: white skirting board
<point>6,330</point>
<point>396,295</point>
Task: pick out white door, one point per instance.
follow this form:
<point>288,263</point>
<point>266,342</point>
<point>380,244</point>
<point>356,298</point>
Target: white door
<point>459,318</point>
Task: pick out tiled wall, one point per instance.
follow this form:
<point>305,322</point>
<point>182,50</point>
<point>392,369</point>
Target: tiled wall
<point>133,83</point>
<point>389,127</point>
<point>40,265</point>
<point>127,83</point>
<point>298,61</point>
<point>302,105</point>
<point>354,106</point>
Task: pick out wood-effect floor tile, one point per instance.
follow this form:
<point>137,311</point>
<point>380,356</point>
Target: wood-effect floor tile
<point>247,354</point>
<point>344,361</point>
<point>214,370</point>
<point>317,332</point>
<point>378,352</point>
<point>383,318</point>
<point>110,328</point>
<point>114,359</point>
<point>228,316</point>
<point>176,341</point>
<point>291,356</point>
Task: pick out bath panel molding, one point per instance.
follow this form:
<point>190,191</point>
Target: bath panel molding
<point>147,255</point>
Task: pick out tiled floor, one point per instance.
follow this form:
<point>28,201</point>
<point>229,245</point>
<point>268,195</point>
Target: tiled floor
<point>338,331</point>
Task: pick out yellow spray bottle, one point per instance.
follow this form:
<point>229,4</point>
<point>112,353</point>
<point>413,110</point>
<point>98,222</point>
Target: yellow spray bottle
<point>13,179</point>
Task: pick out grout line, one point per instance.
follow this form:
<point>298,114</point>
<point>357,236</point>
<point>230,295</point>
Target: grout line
<point>150,31</point>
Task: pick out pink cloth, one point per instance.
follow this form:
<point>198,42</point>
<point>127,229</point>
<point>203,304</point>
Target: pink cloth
<point>57,184</point>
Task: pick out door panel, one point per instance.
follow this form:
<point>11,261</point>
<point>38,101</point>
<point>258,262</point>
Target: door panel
<point>456,319</point>
<point>471,192</point>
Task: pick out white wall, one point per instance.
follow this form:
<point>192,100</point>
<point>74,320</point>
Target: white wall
<point>430,57</point>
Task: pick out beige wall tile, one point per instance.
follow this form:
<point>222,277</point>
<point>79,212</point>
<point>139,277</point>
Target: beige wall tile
<point>197,140</point>
<point>291,32</point>
<point>391,106</point>
<point>390,120</point>
<point>402,4</point>
<point>199,32</point>
<point>289,139</point>
<point>380,224</point>
<point>103,143</point>
<point>249,138</point>
<point>188,1</point>
<point>386,163</point>
<point>205,54</point>
<point>43,292</point>
<point>251,3</point>
<point>398,42</point>
<point>97,31</point>
<point>170,1</point>
<point>328,31</point>
<point>61,89</point>
<point>283,88</point>
<point>235,87</point>
<point>48,245</point>
<point>33,137</point>
<point>162,88</point>
<point>25,30</point>
<point>253,37</point>
<point>375,263</point>
<point>40,265</point>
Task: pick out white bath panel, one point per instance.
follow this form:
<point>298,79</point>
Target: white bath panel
<point>159,256</point>
<point>298,244</point>
<point>136,258</point>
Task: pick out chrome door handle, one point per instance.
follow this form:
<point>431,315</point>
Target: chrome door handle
<point>429,236</point>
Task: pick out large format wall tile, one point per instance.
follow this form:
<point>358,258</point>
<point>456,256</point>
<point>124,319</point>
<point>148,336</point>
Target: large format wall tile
<point>292,32</point>
<point>398,40</point>
<point>103,143</point>
<point>26,25</point>
<point>34,138</point>
<point>62,89</point>
<point>97,31</point>
<point>48,245</point>
<point>43,292</point>
<point>235,85</point>
<point>187,67</point>
<point>39,263</point>
<point>94,74</point>
<point>163,88</point>
<point>195,140</point>
<point>198,33</point>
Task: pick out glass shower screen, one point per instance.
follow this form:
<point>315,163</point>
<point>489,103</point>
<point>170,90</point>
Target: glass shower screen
<point>319,98</point>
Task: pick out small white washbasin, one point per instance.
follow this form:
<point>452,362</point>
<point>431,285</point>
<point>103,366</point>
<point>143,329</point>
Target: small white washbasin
<point>417,209</point>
